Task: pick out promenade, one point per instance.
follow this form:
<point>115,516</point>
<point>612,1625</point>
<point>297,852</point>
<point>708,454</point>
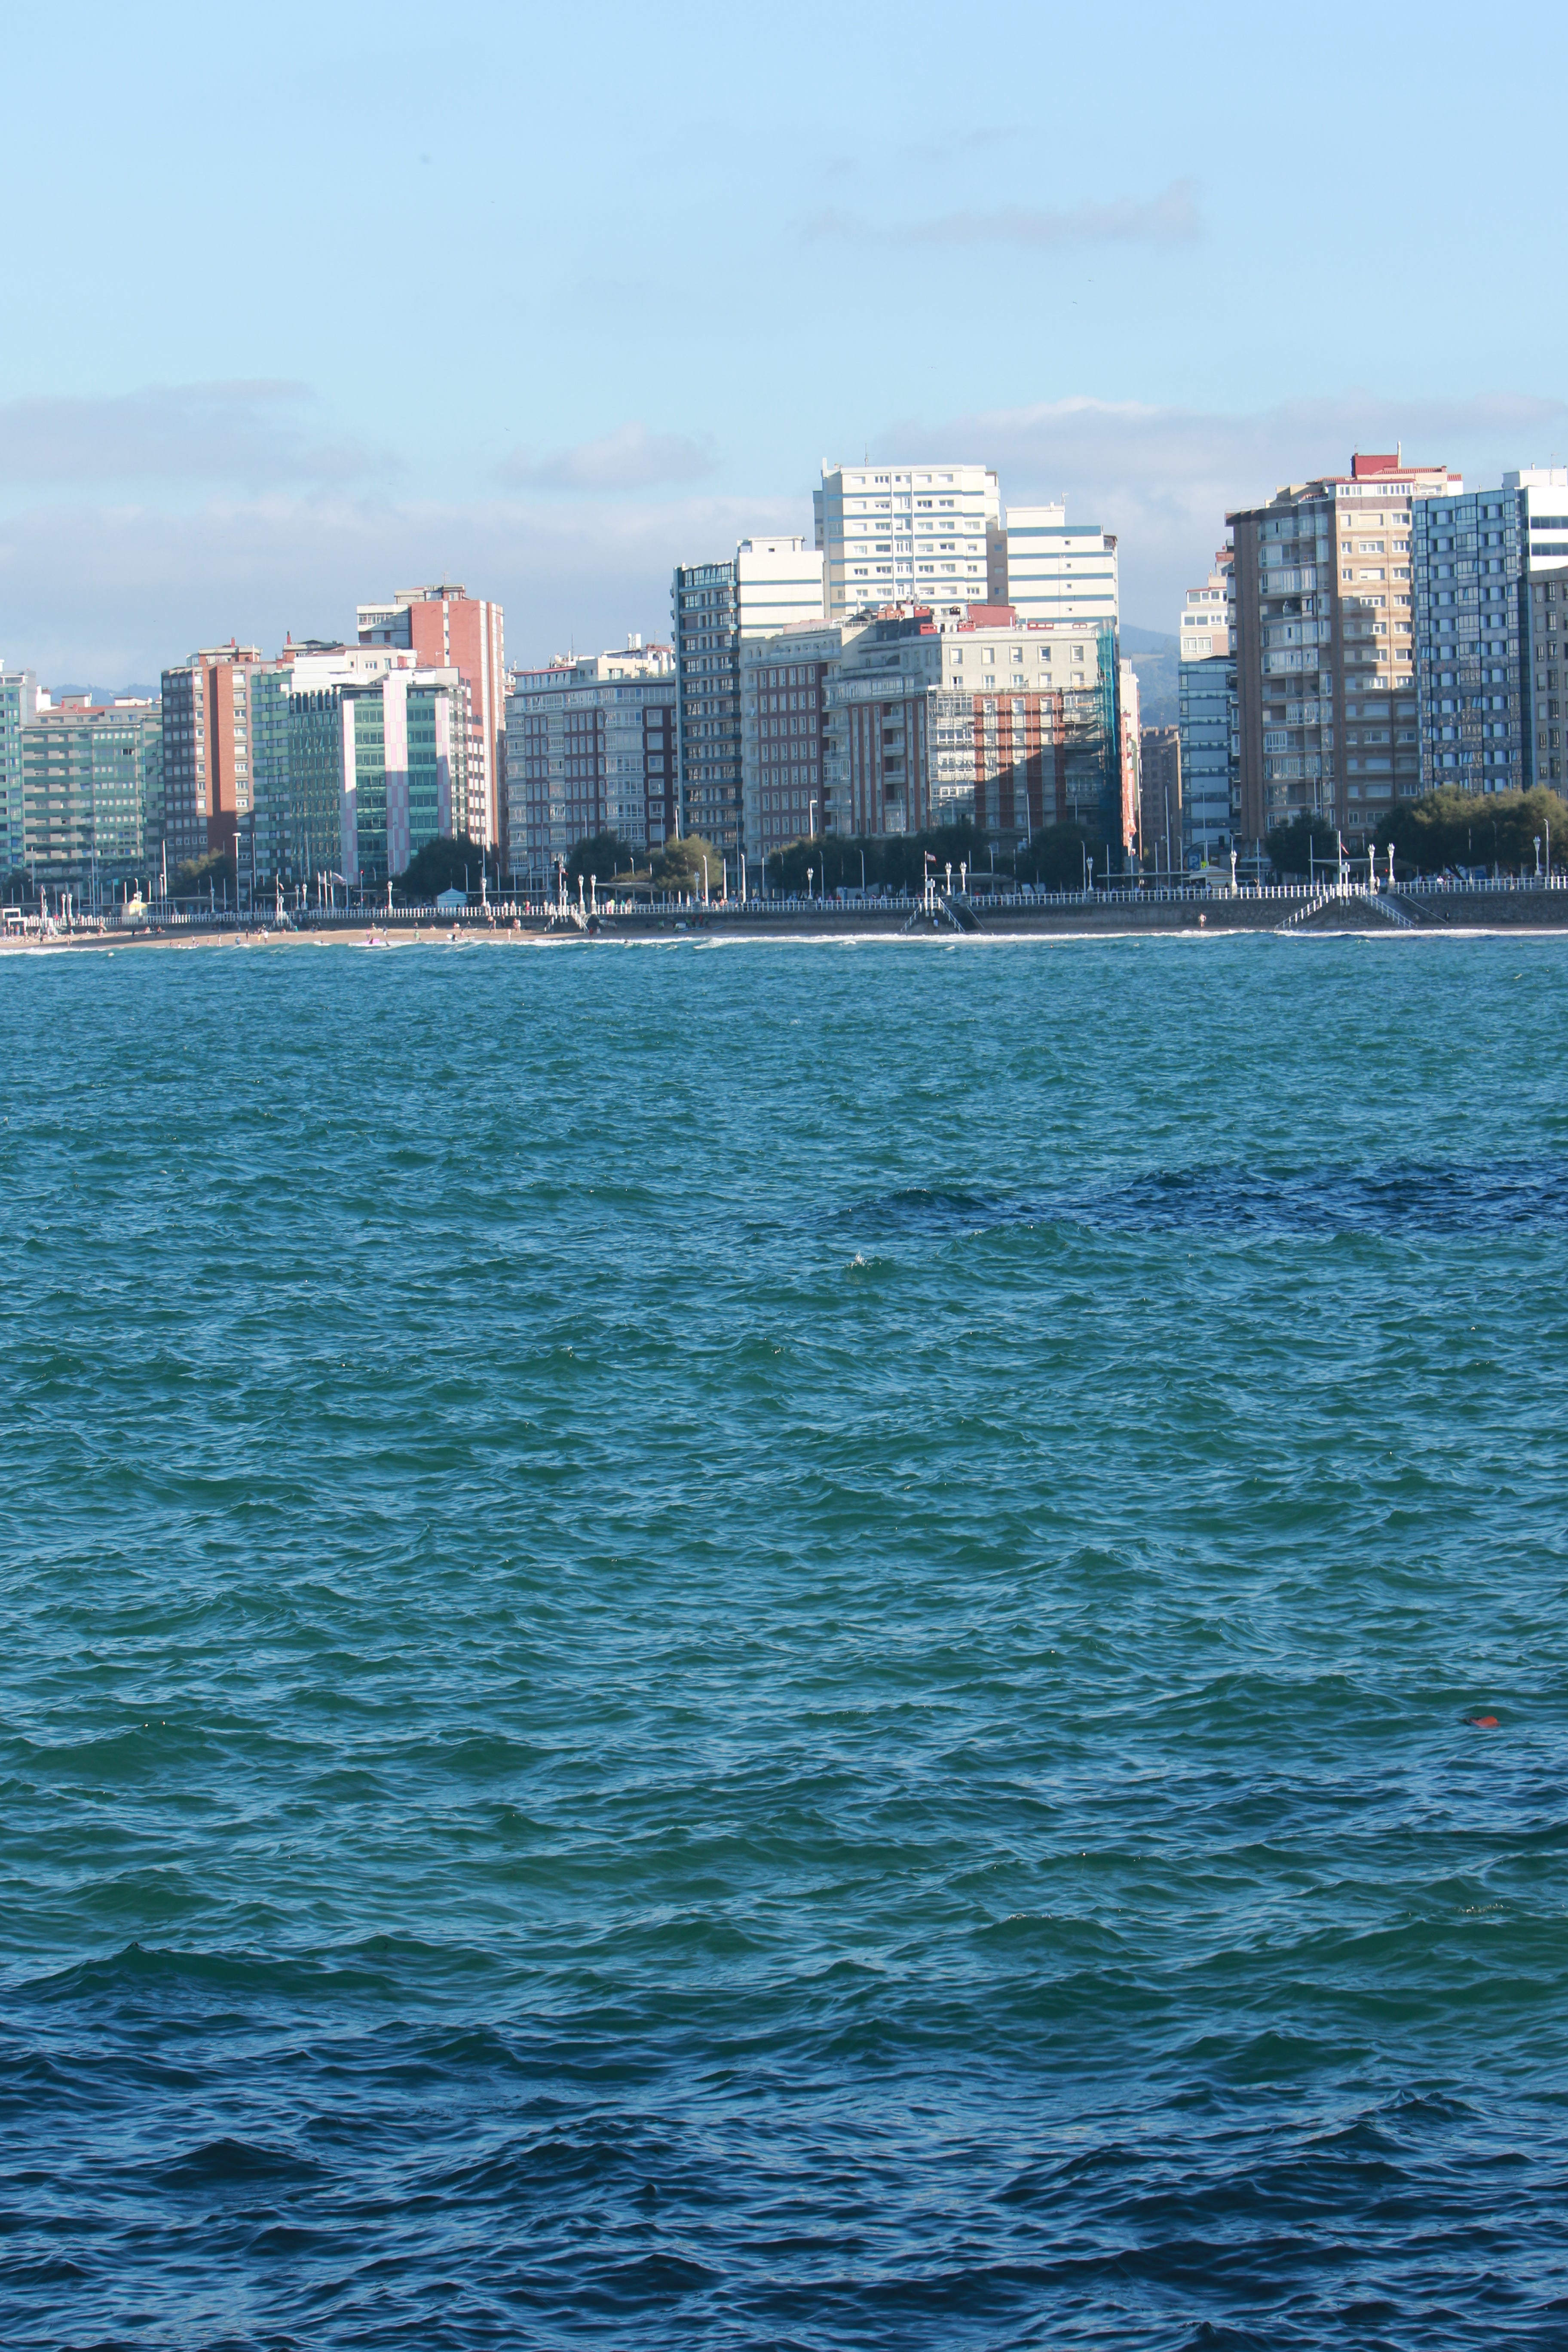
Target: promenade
<point>1529,904</point>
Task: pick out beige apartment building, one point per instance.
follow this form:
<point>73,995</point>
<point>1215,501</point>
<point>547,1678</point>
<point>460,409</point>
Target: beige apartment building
<point>1325,657</point>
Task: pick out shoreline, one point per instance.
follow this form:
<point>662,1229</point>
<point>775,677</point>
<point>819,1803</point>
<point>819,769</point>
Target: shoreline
<point>1405,912</point>
<point>1464,916</point>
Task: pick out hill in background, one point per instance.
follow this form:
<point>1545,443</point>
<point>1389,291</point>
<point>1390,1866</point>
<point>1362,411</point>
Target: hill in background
<point>1154,657</point>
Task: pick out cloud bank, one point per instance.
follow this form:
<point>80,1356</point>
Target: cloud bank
<point>1168,219</point>
<point>257,434</point>
<point>101,585</point>
<point>118,592</point>
<point>629,458</point>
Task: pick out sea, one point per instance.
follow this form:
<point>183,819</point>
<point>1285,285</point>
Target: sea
<point>804,1645</point>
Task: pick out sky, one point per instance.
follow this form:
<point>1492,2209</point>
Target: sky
<point>310,305</point>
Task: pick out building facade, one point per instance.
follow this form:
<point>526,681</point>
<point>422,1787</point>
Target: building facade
<point>446,628</point>
<point>1160,799</point>
<point>1129,739</point>
<point>295,788</point>
<point>90,773</point>
<point>1210,757</point>
<point>1325,649</point>
<point>767,585</point>
<point>18,709</point>
<point>591,748</point>
<point>1205,623</point>
<point>937,717</point>
<point>909,534</point>
<point>399,762</point>
<point>207,751</point>
<point>1489,568</point>
<point>1059,570</point>
<point>1544,521</point>
<point>786,735</point>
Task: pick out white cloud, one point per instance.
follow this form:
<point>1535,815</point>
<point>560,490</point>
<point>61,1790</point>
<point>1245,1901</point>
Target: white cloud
<point>629,458</point>
<point>248,435</point>
<point>1162,479</point>
<point>114,590</point>
<point>117,593</point>
<point>1170,218</point>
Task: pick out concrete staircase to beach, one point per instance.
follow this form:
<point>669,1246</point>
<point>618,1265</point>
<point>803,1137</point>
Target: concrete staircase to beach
<point>1343,896</point>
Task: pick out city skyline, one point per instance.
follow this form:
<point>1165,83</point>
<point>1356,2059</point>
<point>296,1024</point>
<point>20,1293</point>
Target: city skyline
<point>1112,283</point>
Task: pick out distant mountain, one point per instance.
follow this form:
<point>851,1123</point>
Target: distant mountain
<point>1155,657</point>
<point>109,693</point>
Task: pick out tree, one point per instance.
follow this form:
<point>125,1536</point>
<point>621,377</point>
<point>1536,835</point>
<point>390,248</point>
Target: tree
<point>1449,828</point>
<point>1305,843</point>
<point>1056,857</point>
<point>443,865</point>
<point>197,878</point>
<point>679,865</point>
<point>602,854</point>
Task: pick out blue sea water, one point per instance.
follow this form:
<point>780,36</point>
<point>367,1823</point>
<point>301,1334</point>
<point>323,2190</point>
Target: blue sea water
<point>771,1645</point>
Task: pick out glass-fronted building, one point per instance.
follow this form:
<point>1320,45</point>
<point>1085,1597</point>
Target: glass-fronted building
<point>91,775</point>
<point>18,708</point>
<point>1208,740</point>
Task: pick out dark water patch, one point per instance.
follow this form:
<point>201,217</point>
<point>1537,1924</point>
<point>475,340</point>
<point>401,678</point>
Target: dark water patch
<point>235,2163</point>
<point>1460,1200</point>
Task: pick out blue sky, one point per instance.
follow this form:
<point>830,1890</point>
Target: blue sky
<point>312,303</point>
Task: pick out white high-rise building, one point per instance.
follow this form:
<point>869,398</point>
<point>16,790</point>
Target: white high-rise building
<point>1059,570</point>
<point>909,535</point>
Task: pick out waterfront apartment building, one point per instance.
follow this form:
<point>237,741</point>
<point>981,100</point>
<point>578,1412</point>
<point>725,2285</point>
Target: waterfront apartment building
<point>376,749</point>
<point>786,738</point>
<point>401,756</point>
<point>206,784</point>
<point>1543,504</point>
<point>766,585</point>
<point>18,709</point>
<point>1059,570</point>
<point>1489,574</point>
<point>91,774</point>
<point>1160,799</point>
<point>1325,646</point>
<point>1210,753</point>
<point>1208,796</point>
<point>972,713</point>
<point>446,628</point>
<point>296,786</point>
<point>591,746</point>
<point>909,534</point>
